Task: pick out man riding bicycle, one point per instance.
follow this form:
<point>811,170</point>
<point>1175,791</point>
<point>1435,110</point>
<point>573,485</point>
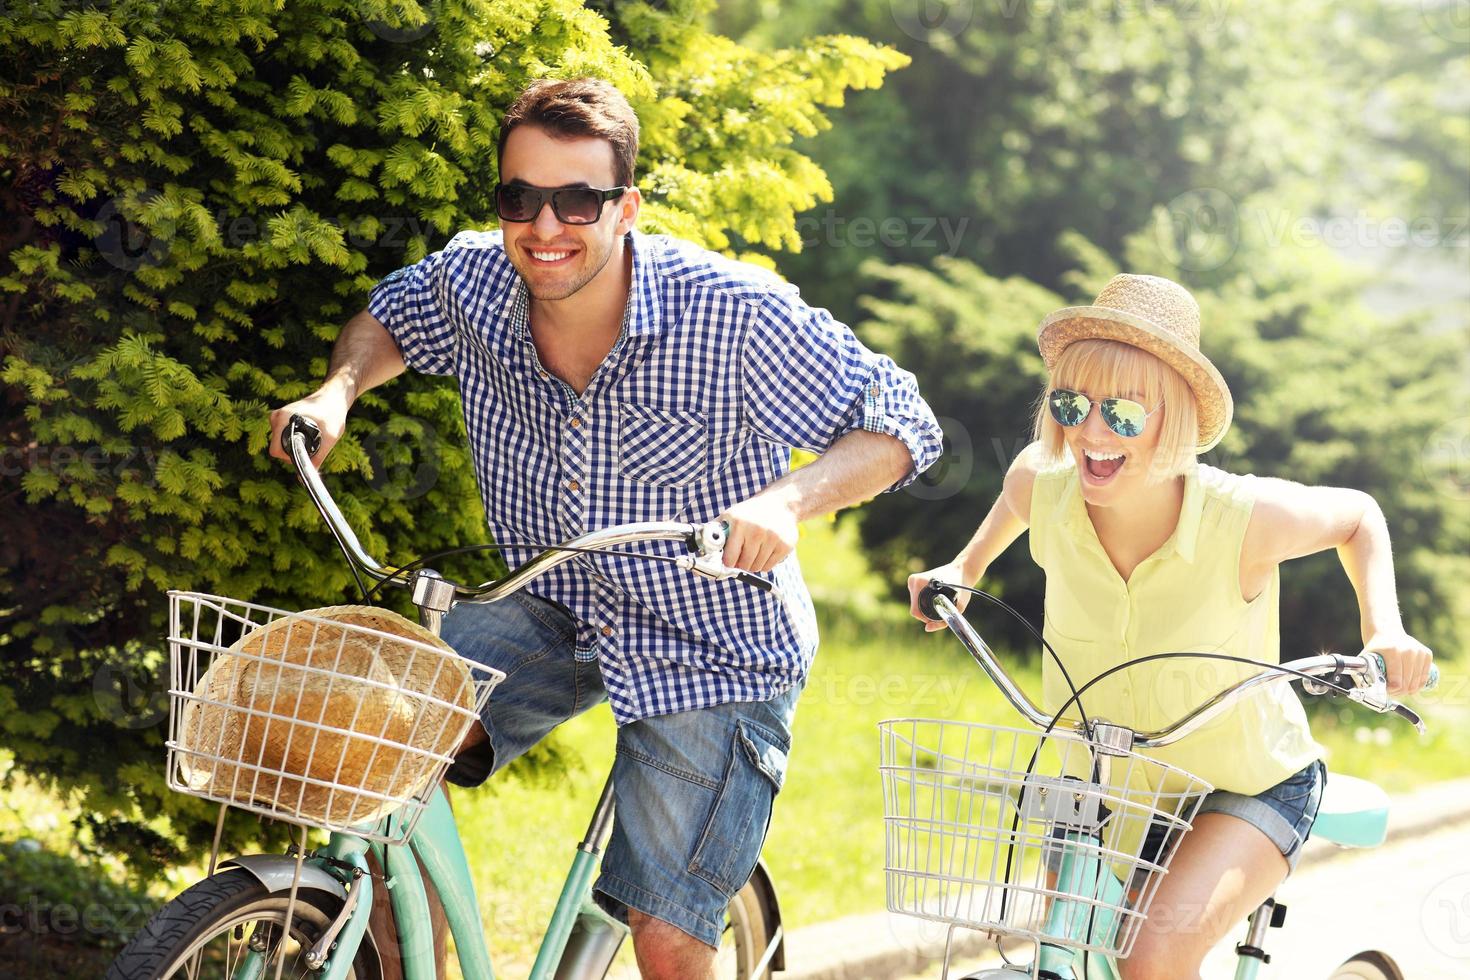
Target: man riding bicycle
<point>608,377</point>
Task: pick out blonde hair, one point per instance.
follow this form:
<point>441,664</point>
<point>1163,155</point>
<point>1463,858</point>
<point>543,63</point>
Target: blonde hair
<point>1111,368</point>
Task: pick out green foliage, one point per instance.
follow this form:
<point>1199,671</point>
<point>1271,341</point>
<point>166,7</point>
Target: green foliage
<point>195,197</point>
<point>1324,395</point>
<point>67,919</point>
<point>1027,120</point>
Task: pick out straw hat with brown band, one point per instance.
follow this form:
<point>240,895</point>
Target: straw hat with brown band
<point>354,675</point>
<point>1155,315</point>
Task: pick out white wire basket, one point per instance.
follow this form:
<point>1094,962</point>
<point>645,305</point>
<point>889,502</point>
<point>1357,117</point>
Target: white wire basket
<point>975,818</point>
<point>343,719</point>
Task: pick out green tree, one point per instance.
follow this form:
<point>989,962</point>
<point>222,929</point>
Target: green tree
<point>196,197</point>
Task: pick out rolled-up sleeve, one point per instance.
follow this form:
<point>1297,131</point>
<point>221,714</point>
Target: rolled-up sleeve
<point>411,304</point>
<point>807,381</point>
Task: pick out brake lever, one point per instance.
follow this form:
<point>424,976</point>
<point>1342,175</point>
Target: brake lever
<point>708,544</point>
<point>714,567</point>
<point>1370,688</point>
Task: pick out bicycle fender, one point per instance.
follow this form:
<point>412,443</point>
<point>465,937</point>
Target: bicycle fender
<point>275,872</point>
<point>761,878</point>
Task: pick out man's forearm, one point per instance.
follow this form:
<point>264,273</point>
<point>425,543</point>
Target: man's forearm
<point>857,466</point>
<point>364,357</point>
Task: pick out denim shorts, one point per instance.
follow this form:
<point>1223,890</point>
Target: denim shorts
<point>1284,813</point>
<point>693,790</point>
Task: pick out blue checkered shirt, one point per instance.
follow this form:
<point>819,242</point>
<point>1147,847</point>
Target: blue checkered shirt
<point>719,371</point>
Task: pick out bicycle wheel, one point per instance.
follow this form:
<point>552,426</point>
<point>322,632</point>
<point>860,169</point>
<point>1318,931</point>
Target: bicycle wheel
<point>1368,965</point>
<point>209,928</point>
<point>750,924</point>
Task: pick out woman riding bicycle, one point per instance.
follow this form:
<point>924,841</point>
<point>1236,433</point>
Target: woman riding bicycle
<point>1146,550</point>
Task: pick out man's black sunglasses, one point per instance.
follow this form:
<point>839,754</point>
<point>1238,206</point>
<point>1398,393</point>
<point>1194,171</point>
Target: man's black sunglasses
<point>571,205</point>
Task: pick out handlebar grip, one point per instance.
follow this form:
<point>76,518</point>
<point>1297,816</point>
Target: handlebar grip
<point>1429,685</point>
<point>308,429</point>
<point>926,598</point>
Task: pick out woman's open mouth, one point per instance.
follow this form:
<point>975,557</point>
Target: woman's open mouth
<point>1100,468</point>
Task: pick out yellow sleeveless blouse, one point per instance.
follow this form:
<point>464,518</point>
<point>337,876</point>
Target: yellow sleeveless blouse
<point>1184,597</point>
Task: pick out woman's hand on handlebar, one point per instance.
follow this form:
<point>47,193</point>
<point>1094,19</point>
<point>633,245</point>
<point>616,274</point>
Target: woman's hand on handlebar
<point>1405,658</point>
<point>952,574</point>
<point>327,407</point>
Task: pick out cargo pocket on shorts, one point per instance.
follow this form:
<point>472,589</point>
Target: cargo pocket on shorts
<point>731,841</point>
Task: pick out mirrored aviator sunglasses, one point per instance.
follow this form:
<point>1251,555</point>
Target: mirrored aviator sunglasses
<point>521,203</point>
<point>1123,415</point>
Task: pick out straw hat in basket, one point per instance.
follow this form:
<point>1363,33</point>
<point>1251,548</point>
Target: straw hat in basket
<point>354,696</point>
<point>1155,315</point>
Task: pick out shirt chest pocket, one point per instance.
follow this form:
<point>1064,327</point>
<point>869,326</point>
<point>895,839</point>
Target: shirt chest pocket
<point>667,447</point>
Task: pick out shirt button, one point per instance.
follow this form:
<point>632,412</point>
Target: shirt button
<point>607,631</point>
<point>575,422</point>
<point>573,486</point>
<point>542,375</point>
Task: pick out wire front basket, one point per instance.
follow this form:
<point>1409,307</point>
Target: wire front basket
<point>1014,833</point>
<point>343,718</point>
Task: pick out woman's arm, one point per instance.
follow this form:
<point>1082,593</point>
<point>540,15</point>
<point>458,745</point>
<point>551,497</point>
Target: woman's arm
<point>1291,521</point>
<point>1008,517</point>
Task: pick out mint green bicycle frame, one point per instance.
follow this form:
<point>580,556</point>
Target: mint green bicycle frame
<point>436,843</point>
<point>1072,919</point>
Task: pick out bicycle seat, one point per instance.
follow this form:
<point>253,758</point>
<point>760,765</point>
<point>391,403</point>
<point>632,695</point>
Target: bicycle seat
<point>1354,812</point>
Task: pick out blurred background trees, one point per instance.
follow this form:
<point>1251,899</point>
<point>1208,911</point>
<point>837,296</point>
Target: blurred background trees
<point>1303,167</point>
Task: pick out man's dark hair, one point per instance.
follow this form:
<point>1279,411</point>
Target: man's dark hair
<point>579,107</point>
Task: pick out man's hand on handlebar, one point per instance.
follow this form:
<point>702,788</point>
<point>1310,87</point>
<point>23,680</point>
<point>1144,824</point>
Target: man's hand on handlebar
<point>763,531</point>
<point>327,407</point>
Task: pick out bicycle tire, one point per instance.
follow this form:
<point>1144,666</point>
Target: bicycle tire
<point>1368,965</point>
<point>750,924</point>
<point>224,903</point>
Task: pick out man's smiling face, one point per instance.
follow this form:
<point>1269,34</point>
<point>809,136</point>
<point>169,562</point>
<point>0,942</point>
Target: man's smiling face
<point>554,259</point>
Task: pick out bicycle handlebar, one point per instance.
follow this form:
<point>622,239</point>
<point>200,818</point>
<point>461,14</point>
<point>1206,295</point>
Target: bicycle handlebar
<point>302,438</point>
<point>1366,673</point>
